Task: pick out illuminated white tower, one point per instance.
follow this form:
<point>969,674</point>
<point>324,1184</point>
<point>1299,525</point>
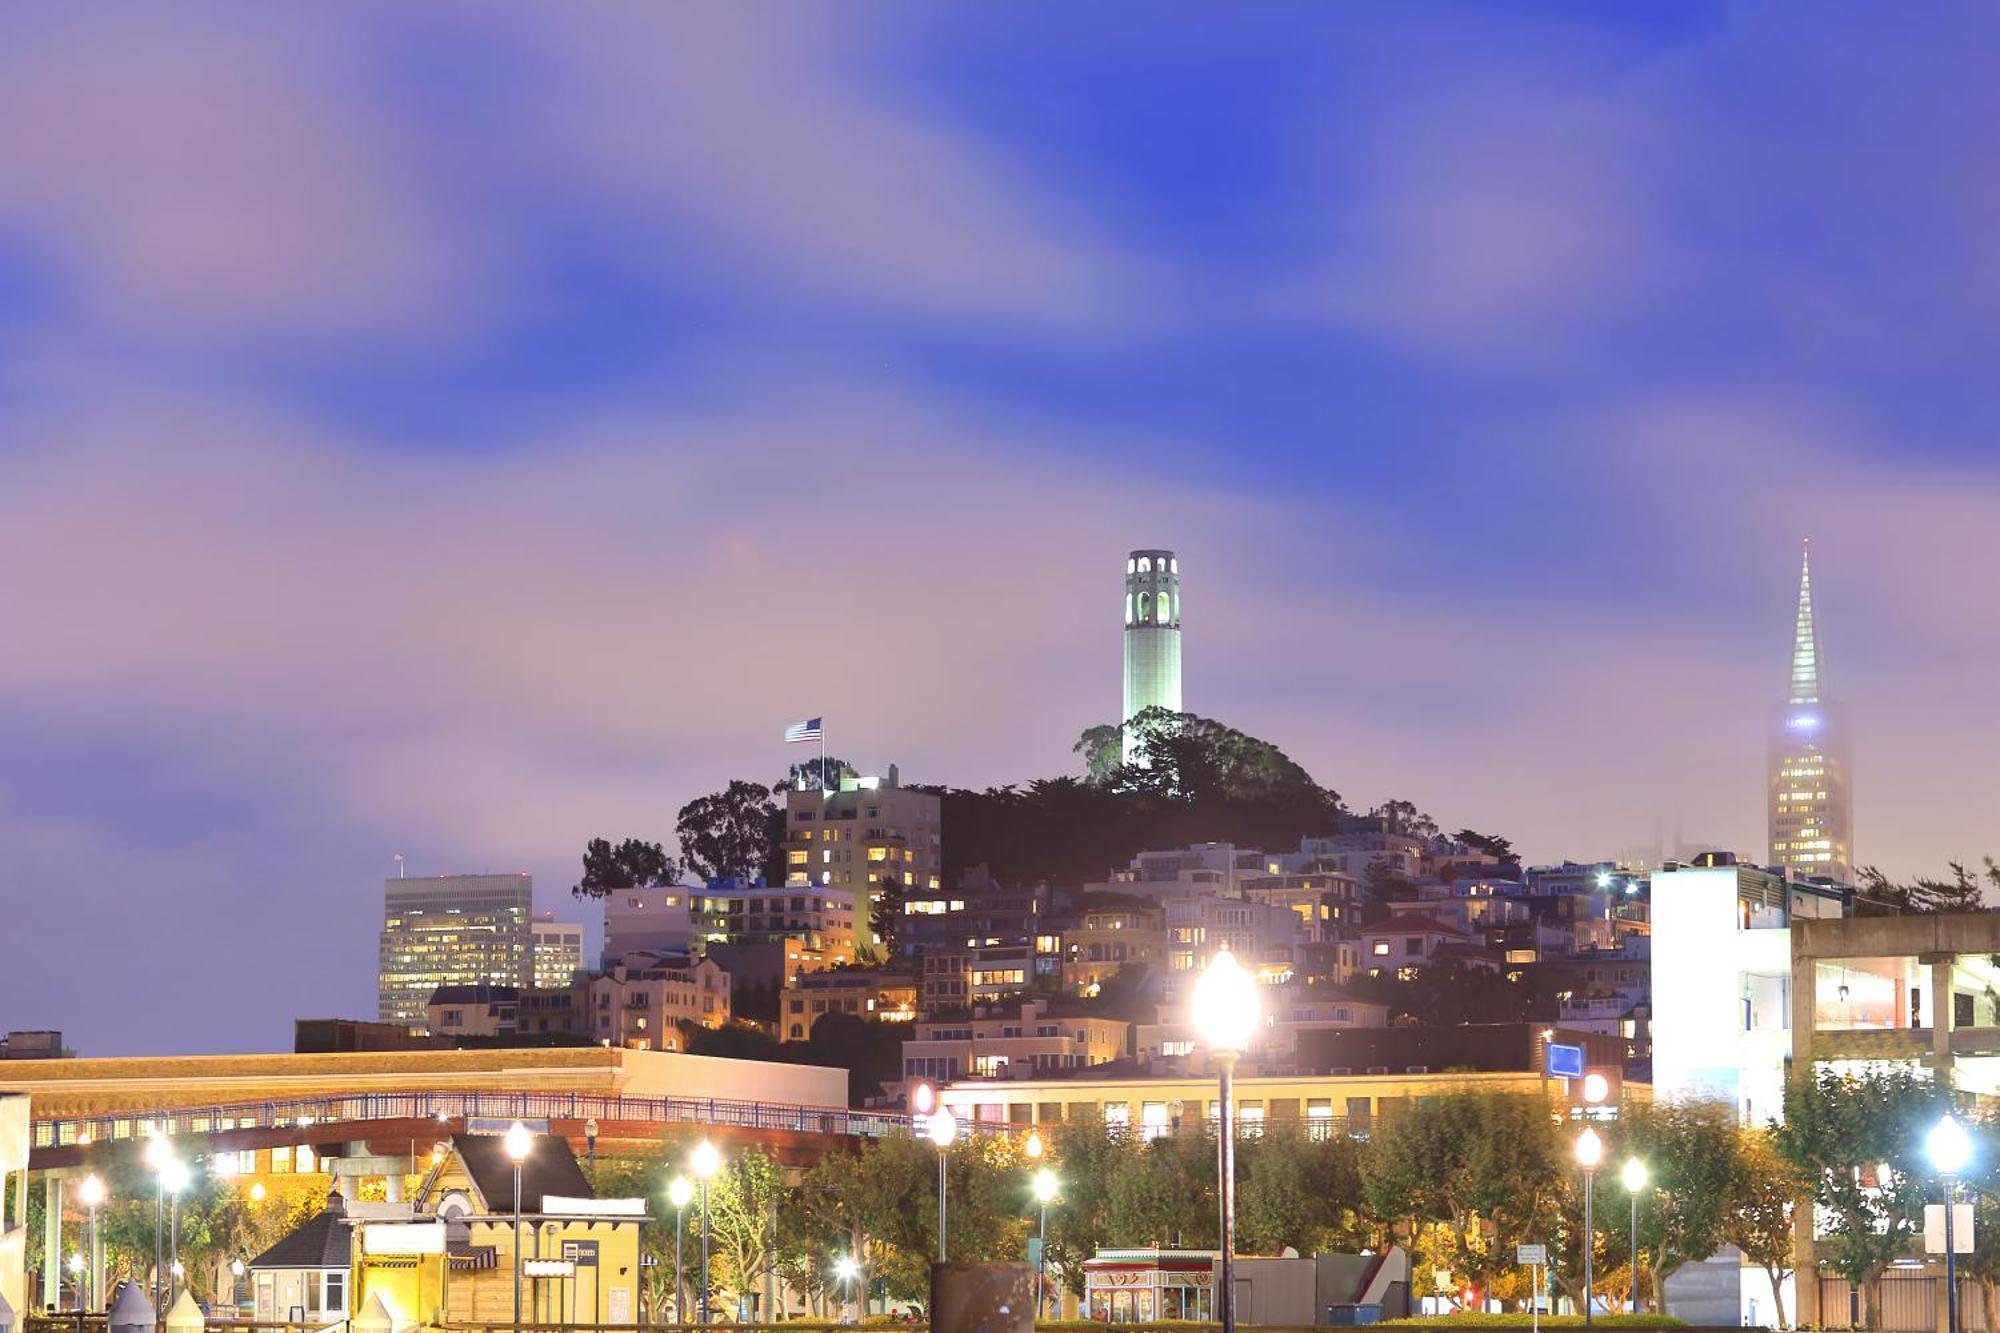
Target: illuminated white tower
<point>1812,812</point>
<point>1152,634</point>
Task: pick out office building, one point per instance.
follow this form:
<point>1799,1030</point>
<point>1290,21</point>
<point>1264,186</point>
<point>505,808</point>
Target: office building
<point>1028,1040</point>
<point>558,950</point>
<point>1810,768</point>
<point>870,831</point>
<point>826,922</point>
<point>451,930</point>
<point>1152,635</point>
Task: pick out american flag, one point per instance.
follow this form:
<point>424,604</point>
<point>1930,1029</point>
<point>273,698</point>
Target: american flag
<point>809,730</point>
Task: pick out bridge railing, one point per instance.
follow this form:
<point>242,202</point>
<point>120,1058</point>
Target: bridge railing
<point>64,1131</point>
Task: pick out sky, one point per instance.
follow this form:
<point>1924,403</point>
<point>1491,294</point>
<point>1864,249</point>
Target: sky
<point>462,431</point>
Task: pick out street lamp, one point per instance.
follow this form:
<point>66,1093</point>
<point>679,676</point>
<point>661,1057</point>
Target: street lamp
<point>679,1190</point>
<point>76,1276</point>
<point>1046,1186</point>
<point>845,1270</point>
<point>1949,1147</point>
<point>1033,1147</point>
<point>704,1161</point>
<point>518,1142</point>
<point>174,1176</point>
<point>91,1194</point>
<point>1634,1177</point>
<point>1225,1009</point>
<point>1589,1152</point>
<point>942,1128</point>
<point>158,1153</point>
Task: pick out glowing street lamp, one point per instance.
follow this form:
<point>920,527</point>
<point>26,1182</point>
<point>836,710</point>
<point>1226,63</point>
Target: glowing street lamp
<point>1033,1147</point>
<point>845,1270</point>
<point>1046,1188</point>
<point>1633,1175</point>
<point>941,1128</point>
<point>1589,1153</point>
<point>518,1142</point>
<point>704,1162</point>
<point>91,1195</point>
<point>1949,1147</point>
<point>159,1151</point>
<point>174,1177</point>
<point>679,1190</point>
<point>1225,1011</point>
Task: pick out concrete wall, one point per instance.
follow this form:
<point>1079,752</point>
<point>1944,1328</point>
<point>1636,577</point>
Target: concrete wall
<point>14,1208</point>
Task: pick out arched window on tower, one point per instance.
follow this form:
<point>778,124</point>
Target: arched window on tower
<point>1145,607</point>
<point>1165,609</point>
<point>1145,564</point>
<point>1128,608</point>
<point>1174,565</point>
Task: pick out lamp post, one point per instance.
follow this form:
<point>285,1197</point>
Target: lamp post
<point>1949,1147</point>
<point>174,1175</point>
<point>942,1128</point>
<point>91,1194</point>
<point>704,1161</point>
<point>1225,1009</point>
<point>845,1269</point>
<point>1046,1186</point>
<point>158,1153</point>
<point>1634,1177</point>
<point>1589,1152</point>
<point>679,1190</point>
<point>518,1142</point>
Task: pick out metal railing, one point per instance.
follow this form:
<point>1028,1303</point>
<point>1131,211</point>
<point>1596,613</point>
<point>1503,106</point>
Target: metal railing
<point>65,1131</point>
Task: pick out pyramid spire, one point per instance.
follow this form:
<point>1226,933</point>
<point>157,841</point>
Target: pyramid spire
<point>1805,641</point>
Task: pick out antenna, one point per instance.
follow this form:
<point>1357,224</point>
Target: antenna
<point>398,858</point>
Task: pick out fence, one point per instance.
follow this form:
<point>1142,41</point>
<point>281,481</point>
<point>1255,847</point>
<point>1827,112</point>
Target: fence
<point>1911,1302</point>
<point>305,1111</point>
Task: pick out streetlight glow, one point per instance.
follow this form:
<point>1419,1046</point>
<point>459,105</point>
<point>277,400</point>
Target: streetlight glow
<point>922,1098</point>
<point>174,1175</point>
<point>1034,1145</point>
<point>1589,1150</point>
<point>91,1192</point>
<point>1948,1146</point>
<point>1633,1175</point>
<point>1225,1003</point>
<point>519,1142</point>
<point>680,1191</point>
<point>845,1268</point>
<point>159,1151</point>
<point>942,1127</point>
<point>705,1160</point>
<point>1046,1185</point>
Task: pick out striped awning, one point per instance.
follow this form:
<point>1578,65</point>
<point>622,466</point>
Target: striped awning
<point>472,1258</point>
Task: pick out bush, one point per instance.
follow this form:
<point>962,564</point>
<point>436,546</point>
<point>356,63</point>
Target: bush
<point>1471,1319</point>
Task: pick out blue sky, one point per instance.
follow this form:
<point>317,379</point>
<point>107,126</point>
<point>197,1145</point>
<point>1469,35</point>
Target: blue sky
<point>466,431</point>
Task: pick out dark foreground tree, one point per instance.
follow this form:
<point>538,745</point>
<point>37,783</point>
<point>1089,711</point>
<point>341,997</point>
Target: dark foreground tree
<point>728,833</point>
<point>632,864</point>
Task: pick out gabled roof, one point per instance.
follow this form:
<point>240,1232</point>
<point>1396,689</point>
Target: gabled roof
<point>325,1240</point>
<point>550,1169</point>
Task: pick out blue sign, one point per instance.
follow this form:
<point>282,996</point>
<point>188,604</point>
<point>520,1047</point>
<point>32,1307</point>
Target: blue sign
<point>1034,1251</point>
<point>1563,1061</point>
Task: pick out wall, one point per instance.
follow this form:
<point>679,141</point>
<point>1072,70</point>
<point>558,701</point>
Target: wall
<point>14,1208</point>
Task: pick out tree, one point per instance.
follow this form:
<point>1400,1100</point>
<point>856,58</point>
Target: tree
<point>1403,817</point>
<point>727,834</point>
<point>1493,845</point>
<point>743,1204</point>
<point>1696,1176</point>
<point>632,864</point>
<point>1473,1170</point>
<point>1840,1133</point>
<point>815,774</point>
<point>1102,749</point>
<point>1878,895</point>
<point>885,915</point>
<point>1760,1223</point>
<point>1301,1192</point>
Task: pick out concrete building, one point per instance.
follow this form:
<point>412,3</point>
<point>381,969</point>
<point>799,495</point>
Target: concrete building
<point>34,1044</point>
<point>871,830</point>
<point>1171,1044</point>
<point>1264,938</point>
<point>654,920</point>
<point>473,1011</point>
<point>1111,931</point>
<point>1028,1041</point>
<point>1408,942</point>
<point>1722,978</point>
<point>558,951</point>
<point>640,1003</point>
<point>873,994</point>
<point>451,930</point>
<point>1152,635</point>
<point>827,922</point>
<point>1809,771</point>
<point>1314,1103</point>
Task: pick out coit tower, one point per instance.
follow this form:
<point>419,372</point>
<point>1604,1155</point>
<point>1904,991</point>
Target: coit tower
<point>1152,634</point>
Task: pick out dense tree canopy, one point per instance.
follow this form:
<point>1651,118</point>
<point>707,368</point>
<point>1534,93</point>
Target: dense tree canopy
<point>730,833</point>
<point>632,864</point>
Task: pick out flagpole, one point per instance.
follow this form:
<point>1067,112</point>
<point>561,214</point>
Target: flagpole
<point>822,756</point>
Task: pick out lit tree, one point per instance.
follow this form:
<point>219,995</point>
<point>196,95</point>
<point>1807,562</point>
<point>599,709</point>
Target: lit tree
<point>1760,1224</point>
